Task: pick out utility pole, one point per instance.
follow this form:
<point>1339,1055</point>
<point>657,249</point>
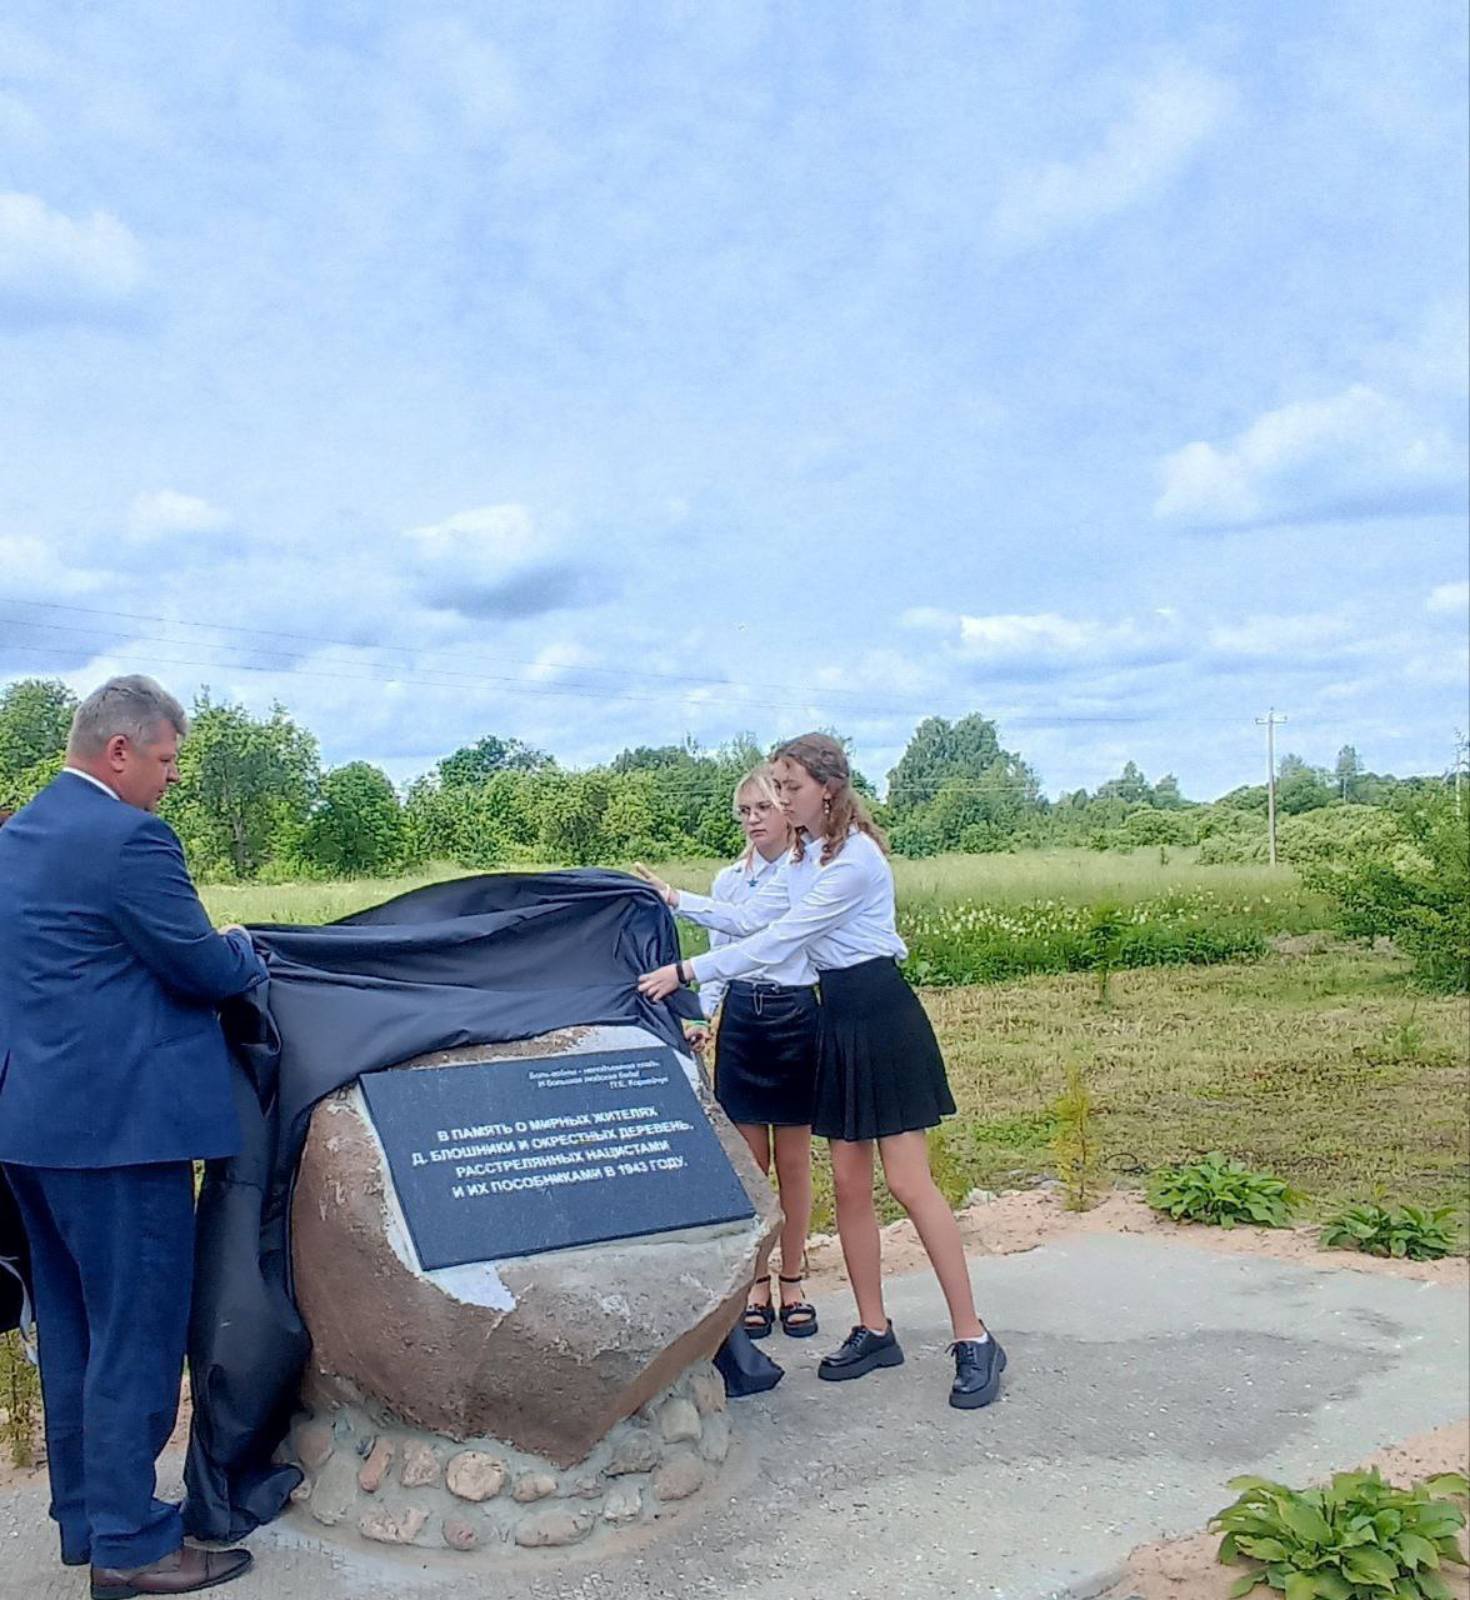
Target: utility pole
<point>1462,758</point>
<point>1270,722</point>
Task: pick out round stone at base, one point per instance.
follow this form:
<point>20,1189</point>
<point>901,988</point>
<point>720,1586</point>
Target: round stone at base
<point>391,1484</point>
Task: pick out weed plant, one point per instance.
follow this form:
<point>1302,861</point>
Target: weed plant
<point>1222,1193</point>
<point>1406,1233</point>
<point>1358,1539</point>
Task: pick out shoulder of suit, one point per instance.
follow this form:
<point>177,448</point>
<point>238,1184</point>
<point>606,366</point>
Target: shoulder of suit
<point>147,825</point>
<point>74,798</point>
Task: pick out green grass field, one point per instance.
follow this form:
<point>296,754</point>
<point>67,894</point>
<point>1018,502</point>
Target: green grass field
<point>1328,1067</point>
<point>1071,876</point>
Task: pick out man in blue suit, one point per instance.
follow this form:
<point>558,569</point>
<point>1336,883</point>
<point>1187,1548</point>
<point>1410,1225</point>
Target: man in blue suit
<point>114,1076</point>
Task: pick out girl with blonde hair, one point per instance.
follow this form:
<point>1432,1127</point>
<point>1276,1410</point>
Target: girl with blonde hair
<point>766,1056</point>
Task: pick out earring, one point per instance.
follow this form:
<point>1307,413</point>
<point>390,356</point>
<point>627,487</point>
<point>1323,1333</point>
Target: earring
<point>826,805</point>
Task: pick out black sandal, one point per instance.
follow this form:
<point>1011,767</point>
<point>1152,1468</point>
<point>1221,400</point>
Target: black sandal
<point>799,1319</point>
<point>759,1320</point>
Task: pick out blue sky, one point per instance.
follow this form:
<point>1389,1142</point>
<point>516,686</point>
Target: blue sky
<point>605,373</point>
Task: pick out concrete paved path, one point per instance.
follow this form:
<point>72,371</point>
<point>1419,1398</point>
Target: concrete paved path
<point>1142,1377</point>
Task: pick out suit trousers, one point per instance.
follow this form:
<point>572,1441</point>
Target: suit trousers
<point>111,1267</point>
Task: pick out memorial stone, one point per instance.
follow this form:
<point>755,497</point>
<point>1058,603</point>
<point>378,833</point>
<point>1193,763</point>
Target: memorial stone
<point>523,1255</point>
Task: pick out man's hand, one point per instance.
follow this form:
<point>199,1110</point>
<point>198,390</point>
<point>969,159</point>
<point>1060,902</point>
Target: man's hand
<point>667,892</point>
<point>697,1039</point>
<point>660,984</point>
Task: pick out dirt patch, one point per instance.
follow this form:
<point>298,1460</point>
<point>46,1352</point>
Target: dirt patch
<point>1187,1569</point>
<point>1010,1223</point>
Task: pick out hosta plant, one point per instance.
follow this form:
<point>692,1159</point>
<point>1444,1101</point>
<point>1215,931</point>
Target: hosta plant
<point>1222,1192</point>
<point>1412,1233</point>
<point>1357,1539</point>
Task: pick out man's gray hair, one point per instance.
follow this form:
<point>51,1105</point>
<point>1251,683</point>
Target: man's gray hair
<point>133,706</point>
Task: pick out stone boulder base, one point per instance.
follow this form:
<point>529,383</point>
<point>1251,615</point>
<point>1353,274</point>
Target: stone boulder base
<point>549,1358</point>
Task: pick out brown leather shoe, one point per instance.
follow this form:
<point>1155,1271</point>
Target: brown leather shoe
<point>186,1570</point>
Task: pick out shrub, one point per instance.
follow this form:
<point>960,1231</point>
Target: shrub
<point>1411,884</point>
<point>1222,1193</point>
<point>1234,838</point>
<point>1146,825</point>
<point>1358,1539</point>
<point>1412,1233</point>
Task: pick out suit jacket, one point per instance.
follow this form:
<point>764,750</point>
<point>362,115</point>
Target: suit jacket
<point>111,1053</point>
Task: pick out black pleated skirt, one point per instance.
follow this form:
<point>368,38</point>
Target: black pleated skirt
<point>766,1054</point>
<point>879,1070</point>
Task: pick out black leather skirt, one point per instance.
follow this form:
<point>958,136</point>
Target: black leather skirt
<point>766,1054</point>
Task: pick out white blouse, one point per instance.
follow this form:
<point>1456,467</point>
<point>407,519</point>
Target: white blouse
<point>837,915</point>
<point>735,886</point>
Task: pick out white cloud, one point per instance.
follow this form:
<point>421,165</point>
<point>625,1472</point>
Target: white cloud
<point>50,259</point>
<point>1045,633</point>
<point>164,512</point>
<point>1358,453</point>
<point>1268,636</point>
<point>1450,599</point>
<point>555,659</point>
<point>493,539</point>
<point>929,619</point>
<point>1043,636</point>
<point>36,566</point>
<point>1169,118</point>
<point>495,562</point>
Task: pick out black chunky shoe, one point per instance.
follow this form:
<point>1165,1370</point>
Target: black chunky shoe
<point>861,1351</point>
<point>978,1365</point>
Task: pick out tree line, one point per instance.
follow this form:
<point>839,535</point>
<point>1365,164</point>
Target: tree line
<point>256,802</point>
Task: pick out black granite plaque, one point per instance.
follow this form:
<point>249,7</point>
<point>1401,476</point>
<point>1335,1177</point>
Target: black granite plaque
<point>528,1154</point>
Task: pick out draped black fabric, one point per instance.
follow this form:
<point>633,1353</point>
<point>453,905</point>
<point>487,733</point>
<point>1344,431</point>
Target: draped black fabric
<point>474,961</point>
<point>14,1260</point>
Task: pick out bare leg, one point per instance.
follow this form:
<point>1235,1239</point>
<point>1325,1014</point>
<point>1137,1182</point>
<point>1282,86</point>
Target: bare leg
<point>857,1226</point>
<point>758,1137</point>
<point>906,1167</point>
<point>794,1176</point>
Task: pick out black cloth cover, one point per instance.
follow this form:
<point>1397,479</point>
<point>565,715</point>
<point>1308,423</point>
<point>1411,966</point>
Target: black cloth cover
<point>14,1260</point>
<point>473,961</point>
<point>746,1369</point>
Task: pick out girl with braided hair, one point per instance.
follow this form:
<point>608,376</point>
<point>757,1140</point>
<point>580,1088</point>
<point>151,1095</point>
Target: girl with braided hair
<point>881,1081</point>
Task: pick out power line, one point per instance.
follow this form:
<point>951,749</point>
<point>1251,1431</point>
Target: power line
<point>284,664</point>
<point>787,697</point>
<point>319,640</point>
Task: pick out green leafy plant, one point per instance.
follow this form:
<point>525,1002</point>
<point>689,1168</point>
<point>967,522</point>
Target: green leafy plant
<point>1413,1233</point>
<point>1074,1143</point>
<point>1222,1192</point>
<point>1360,1538</point>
